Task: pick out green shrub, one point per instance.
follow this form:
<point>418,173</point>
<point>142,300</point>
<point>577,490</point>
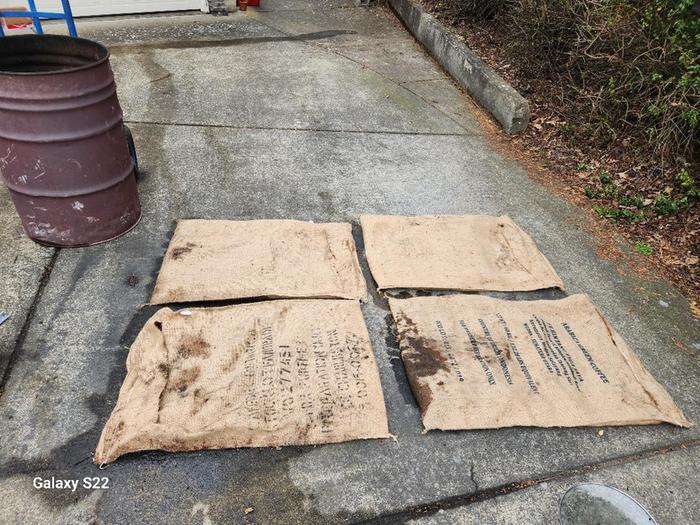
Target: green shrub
<point>622,67</point>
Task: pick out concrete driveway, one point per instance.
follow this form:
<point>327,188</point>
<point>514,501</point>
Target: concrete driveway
<point>318,111</point>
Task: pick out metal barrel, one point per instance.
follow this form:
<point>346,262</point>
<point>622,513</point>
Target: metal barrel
<point>63,149</point>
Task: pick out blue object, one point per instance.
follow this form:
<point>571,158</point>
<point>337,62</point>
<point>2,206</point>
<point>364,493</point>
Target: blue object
<point>38,16</point>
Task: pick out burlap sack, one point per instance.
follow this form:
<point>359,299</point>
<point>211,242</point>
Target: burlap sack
<point>454,252</point>
<point>287,372</point>
<point>476,362</point>
<point>214,260</point>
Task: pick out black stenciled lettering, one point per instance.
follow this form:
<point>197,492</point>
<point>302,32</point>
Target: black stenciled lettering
<point>477,354</point>
<point>268,399</point>
<point>356,349</point>
<point>554,337</point>
<point>285,368</point>
<point>338,360</point>
<point>558,353</point>
<point>539,350</point>
<point>447,346</point>
<point>249,374</point>
<point>496,350</point>
<point>542,348</point>
<point>589,358</point>
<point>323,374</point>
<point>514,350</point>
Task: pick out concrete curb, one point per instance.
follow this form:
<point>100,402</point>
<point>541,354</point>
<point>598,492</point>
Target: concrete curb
<point>493,93</point>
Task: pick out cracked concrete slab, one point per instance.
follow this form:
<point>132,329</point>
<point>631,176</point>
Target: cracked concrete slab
<point>664,485</point>
<point>68,372</point>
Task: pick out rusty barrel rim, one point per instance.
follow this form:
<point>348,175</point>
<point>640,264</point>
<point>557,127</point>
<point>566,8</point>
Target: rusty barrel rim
<point>9,44</point>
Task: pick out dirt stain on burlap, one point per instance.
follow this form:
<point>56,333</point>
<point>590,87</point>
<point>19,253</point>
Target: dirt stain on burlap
<point>180,251</point>
<point>422,359</point>
<point>185,379</point>
<point>193,346</point>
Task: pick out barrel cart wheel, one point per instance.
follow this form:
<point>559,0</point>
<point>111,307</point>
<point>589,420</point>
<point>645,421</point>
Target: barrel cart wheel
<point>132,151</point>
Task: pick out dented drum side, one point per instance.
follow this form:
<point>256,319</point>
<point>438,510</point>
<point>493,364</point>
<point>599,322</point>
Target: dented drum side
<point>63,149</point>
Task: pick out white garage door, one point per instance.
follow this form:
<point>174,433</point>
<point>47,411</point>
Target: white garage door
<point>117,7</point>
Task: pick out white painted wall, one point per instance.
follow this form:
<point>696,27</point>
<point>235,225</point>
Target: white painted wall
<point>113,7</point>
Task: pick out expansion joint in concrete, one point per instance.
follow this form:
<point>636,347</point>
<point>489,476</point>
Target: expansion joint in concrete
<point>304,130</point>
<point>19,342</point>
<point>463,500</point>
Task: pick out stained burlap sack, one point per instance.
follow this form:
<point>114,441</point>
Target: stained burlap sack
<point>213,260</point>
<point>454,252</point>
<point>286,372</point>
<point>476,362</point>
